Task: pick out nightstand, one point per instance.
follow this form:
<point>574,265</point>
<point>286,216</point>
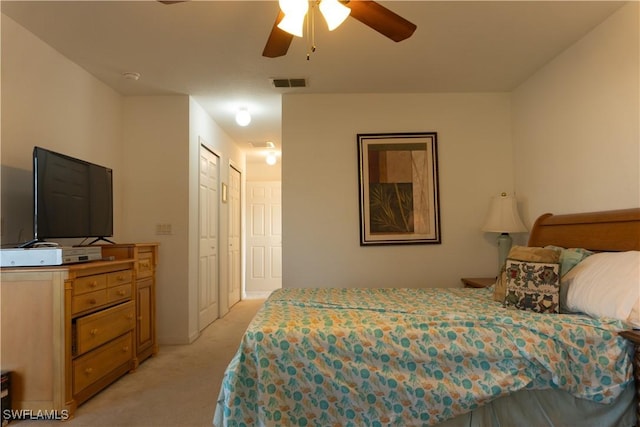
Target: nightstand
<point>634,337</point>
<point>478,282</point>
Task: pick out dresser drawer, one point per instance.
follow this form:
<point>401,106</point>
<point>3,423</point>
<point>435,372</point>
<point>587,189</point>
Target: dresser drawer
<point>92,366</point>
<point>87,284</point>
<point>118,278</point>
<point>84,302</point>
<point>122,292</point>
<point>145,264</point>
<point>98,328</point>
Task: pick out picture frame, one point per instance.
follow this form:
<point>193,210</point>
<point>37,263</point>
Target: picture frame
<point>399,193</point>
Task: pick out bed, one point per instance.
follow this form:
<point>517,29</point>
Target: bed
<point>447,357</point>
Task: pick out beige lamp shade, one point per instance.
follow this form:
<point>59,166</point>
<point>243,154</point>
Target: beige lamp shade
<point>503,216</point>
<point>294,11</point>
<point>334,13</point>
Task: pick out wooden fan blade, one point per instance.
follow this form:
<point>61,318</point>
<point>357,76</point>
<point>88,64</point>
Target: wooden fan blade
<point>381,19</point>
<point>278,42</point>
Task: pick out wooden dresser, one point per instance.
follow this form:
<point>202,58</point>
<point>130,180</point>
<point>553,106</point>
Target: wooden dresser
<point>69,331</point>
<point>145,256</point>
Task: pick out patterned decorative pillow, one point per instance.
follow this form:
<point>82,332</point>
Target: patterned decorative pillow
<point>523,253</point>
<point>533,286</point>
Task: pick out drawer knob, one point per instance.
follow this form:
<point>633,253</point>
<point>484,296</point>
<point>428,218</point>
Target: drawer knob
<point>120,277</point>
<point>94,331</point>
<point>93,284</point>
<point>92,301</point>
<point>88,371</point>
<point>125,349</point>
<point>121,293</point>
<point>130,316</point>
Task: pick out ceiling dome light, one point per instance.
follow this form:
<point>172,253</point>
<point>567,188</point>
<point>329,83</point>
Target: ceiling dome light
<point>294,13</point>
<point>334,13</point>
<point>243,118</point>
<point>131,75</point>
<point>271,158</point>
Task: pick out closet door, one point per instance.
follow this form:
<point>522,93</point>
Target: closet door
<point>235,215</point>
<point>208,270</point>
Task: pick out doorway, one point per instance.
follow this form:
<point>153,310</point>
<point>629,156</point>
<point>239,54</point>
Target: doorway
<point>264,238</point>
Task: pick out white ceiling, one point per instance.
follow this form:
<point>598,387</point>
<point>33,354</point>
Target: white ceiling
<point>212,50</point>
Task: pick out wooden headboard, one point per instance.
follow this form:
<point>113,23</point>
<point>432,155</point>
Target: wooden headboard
<point>610,231</point>
<point>606,231</point>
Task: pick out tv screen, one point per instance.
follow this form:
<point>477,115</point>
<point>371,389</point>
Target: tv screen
<point>72,197</point>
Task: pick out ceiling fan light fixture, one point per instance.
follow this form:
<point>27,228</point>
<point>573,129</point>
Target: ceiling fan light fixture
<point>334,13</point>
<point>292,25</point>
<point>131,75</point>
<point>243,118</point>
<point>294,13</point>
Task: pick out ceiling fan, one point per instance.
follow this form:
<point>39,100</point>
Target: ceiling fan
<point>368,12</point>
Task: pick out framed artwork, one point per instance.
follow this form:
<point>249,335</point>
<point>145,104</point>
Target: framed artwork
<point>399,199</point>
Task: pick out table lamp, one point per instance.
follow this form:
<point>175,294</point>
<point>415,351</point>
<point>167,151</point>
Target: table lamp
<point>503,218</point>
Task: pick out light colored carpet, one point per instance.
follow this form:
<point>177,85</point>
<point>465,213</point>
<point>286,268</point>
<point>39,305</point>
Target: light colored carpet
<point>177,387</point>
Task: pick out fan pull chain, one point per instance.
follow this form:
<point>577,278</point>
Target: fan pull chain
<point>311,31</point>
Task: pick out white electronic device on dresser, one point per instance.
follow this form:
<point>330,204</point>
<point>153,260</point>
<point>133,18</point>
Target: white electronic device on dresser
<point>71,330</point>
<point>48,255</point>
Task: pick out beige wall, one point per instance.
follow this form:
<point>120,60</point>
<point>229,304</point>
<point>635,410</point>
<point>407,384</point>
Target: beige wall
<point>566,140</point>
<point>156,138</point>
<point>53,103</point>
<point>576,124</point>
<point>162,140</point>
<point>259,170</point>
<point>320,187</point>
<point>150,143</point>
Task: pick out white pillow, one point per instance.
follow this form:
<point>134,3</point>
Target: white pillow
<point>606,284</point>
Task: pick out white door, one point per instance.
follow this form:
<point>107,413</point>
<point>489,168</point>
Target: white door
<point>235,214</point>
<point>208,285</point>
<point>264,237</point>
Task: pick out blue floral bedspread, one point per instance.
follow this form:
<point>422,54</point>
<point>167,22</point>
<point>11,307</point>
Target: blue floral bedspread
<point>356,357</point>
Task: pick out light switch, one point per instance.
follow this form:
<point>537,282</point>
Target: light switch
<point>163,229</point>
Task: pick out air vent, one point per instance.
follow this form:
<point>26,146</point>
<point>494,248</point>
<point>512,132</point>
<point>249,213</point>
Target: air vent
<point>262,144</point>
<point>289,82</point>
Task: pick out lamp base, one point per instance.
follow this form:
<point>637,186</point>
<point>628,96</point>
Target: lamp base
<point>504,246</point>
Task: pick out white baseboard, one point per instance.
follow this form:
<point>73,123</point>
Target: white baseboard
<point>257,294</point>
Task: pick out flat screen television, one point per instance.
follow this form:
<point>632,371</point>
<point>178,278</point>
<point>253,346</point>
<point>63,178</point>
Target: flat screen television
<point>72,198</point>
